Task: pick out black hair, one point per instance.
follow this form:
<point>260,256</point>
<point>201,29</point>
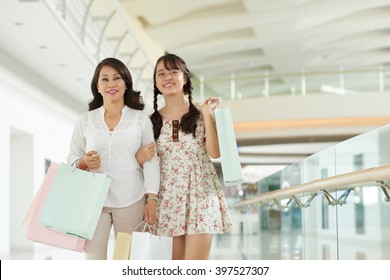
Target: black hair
<point>132,98</point>
<point>189,120</point>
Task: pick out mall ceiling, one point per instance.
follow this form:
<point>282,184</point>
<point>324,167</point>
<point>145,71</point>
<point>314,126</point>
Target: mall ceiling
<point>267,45</point>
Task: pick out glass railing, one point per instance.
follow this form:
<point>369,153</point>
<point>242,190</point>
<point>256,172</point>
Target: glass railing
<point>310,81</point>
<point>342,223</point>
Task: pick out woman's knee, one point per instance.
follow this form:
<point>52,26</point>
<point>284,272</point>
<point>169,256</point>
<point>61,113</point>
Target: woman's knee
<point>95,251</point>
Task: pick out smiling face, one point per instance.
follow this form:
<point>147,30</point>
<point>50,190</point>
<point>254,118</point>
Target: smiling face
<point>111,85</point>
<point>169,81</point>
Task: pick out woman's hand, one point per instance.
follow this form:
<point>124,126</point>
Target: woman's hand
<point>150,211</point>
<point>145,153</point>
<point>209,105</point>
<point>90,160</point>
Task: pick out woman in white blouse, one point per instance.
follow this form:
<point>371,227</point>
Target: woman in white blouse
<point>106,139</point>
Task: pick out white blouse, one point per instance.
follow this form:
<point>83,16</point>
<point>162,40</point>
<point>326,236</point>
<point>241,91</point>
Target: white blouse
<point>117,153</point>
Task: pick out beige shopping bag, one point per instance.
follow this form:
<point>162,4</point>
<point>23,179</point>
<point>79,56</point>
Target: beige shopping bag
<point>122,246</point>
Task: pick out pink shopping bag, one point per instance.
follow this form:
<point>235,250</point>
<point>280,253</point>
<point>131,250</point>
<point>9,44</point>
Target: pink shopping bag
<point>38,233</point>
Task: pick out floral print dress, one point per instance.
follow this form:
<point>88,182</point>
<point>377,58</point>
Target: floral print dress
<point>191,200</point>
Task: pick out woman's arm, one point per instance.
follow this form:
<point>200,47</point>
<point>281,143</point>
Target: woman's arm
<point>211,144</point>
<point>77,146</point>
<point>151,170</point>
<point>150,213</point>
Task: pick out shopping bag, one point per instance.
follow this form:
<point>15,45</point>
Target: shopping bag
<point>230,161</point>
<point>36,232</point>
<point>75,201</point>
<point>45,185</point>
<point>145,245</point>
<point>122,246</point>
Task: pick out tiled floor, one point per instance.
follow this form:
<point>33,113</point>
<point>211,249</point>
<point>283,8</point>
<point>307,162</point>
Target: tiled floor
<point>266,245</point>
<point>223,247</point>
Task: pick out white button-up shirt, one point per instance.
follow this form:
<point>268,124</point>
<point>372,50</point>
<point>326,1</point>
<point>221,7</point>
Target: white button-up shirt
<point>117,151</point>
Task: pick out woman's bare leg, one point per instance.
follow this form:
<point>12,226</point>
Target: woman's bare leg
<point>197,247</point>
<point>178,249</point>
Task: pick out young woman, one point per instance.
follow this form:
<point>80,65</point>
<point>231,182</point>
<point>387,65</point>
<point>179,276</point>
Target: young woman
<point>191,205</point>
<point>106,139</point>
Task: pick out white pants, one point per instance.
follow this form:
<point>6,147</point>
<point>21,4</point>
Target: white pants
<point>124,219</point>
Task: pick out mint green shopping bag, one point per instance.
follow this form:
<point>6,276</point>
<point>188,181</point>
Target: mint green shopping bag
<point>230,161</point>
<point>75,201</point>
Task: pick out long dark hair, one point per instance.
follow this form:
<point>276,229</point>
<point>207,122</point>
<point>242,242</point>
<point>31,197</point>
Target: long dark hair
<point>132,98</point>
<point>189,120</point>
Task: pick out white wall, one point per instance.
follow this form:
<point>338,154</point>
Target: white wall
<point>33,127</point>
<point>20,184</point>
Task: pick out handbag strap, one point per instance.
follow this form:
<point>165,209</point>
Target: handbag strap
<point>144,226</point>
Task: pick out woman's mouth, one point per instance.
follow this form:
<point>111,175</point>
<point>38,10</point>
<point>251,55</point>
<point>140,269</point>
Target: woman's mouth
<point>169,85</point>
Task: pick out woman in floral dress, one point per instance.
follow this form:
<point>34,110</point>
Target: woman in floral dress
<point>191,205</point>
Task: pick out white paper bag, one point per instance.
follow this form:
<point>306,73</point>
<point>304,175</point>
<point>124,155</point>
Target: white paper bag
<point>147,246</point>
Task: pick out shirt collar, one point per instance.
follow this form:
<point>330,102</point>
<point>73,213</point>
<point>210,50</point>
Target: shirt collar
<point>124,109</point>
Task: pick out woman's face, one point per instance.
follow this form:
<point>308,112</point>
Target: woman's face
<point>111,85</point>
<point>169,81</point>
